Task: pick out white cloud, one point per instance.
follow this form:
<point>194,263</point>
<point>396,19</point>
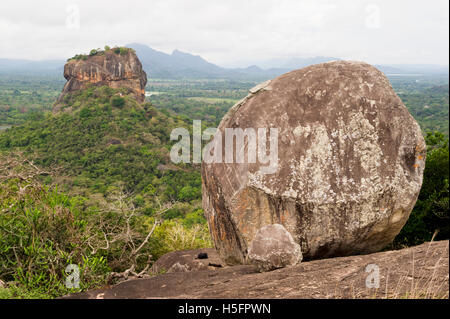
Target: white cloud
<point>227,32</point>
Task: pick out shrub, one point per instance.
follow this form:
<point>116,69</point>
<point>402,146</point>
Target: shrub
<point>41,232</point>
<point>117,101</point>
<point>172,235</point>
<point>123,51</point>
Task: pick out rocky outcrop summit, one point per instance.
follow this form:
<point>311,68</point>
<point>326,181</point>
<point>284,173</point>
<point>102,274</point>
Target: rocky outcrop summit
<point>415,272</point>
<point>113,67</point>
<point>349,166</point>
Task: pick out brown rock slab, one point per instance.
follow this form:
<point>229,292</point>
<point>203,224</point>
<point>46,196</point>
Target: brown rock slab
<point>187,260</point>
<point>416,272</point>
<point>349,170</point>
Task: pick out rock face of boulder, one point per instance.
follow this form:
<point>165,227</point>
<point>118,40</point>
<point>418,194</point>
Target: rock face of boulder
<point>350,164</point>
<point>273,247</point>
<point>106,69</point>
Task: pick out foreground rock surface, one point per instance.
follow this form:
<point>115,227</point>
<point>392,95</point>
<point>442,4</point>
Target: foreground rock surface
<point>187,260</point>
<point>273,247</point>
<point>349,170</point>
<point>108,69</point>
<point>416,272</point>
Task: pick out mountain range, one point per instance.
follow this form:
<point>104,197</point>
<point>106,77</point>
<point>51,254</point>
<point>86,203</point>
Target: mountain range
<point>185,65</point>
<point>180,65</point>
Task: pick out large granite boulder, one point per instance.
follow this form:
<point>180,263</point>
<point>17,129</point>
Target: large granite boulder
<point>349,170</point>
<point>108,68</point>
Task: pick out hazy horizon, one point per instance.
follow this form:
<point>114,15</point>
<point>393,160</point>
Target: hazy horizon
<point>235,33</point>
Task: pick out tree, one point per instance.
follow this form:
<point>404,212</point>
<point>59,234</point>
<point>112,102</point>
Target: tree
<point>123,51</point>
<point>117,101</point>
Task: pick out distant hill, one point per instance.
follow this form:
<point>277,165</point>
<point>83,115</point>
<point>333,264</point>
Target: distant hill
<point>179,65</point>
<point>185,65</point>
<point>294,63</point>
<point>429,69</point>
<point>388,69</point>
<point>29,66</point>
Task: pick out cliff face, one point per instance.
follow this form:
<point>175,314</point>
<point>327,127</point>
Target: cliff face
<point>106,69</point>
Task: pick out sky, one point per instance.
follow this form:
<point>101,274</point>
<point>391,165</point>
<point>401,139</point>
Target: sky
<point>232,33</point>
